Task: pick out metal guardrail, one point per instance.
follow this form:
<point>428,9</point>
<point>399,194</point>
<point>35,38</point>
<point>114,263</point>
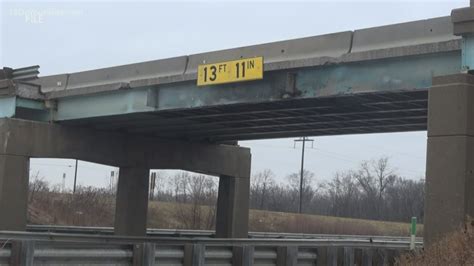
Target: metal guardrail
<point>24,248</point>
<point>211,234</point>
<point>25,73</point>
<point>20,74</point>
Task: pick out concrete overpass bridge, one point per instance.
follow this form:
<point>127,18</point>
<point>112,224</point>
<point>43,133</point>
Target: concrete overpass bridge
<point>152,115</point>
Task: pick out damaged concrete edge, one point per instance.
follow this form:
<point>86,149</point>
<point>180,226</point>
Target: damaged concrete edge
<point>397,40</point>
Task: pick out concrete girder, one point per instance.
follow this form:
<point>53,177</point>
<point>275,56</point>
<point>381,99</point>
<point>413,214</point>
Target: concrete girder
<point>38,139</point>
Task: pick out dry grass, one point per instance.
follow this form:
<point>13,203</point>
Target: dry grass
<point>87,208</point>
<point>163,215</point>
<point>318,224</point>
<point>455,249</point>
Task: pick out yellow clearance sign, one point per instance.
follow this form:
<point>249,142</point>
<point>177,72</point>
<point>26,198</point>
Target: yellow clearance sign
<point>230,71</point>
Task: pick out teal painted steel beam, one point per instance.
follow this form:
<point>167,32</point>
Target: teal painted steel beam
<point>394,74</point>
<point>7,107</point>
<point>30,104</point>
<point>467,46</point>
<point>118,102</point>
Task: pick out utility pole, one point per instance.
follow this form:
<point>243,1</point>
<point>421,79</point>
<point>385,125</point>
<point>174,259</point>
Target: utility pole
<point>111,181</point>
<point>303,140</point>
<point>152,185</point>
<point>63,185</point>
<point>75,178</point>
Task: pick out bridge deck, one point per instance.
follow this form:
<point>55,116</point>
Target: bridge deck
<point>365,81</point>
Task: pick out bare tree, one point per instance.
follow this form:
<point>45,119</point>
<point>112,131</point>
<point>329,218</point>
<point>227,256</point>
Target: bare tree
<point>343,194</point>
<point>180,184</point>
<point>197,195</point>
<point>384,174</point>
<point>37,185</point>
<point>261,183</point>
<point>308,187</point>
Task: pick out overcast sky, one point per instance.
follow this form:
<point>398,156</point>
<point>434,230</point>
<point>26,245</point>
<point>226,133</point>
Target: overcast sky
<point>74,36</point>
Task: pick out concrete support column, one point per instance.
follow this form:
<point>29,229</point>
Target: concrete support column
<point>450,155</point>
<point>14,177</point>
<point>132,202</point>
<point>232,220</point>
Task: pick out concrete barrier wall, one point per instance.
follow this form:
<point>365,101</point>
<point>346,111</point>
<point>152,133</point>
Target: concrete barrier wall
<point>330,45</point>
<point>124,73</point>
<point>333,46</point>
<point>403,34</point>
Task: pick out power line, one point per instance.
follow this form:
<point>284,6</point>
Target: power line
<point>75,178</point>
<point>341,157</point>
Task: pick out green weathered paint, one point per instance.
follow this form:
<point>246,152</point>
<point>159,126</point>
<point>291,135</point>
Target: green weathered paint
<point>112,103</point>
<point>468,52</point>
<point>394,74</point>
<point>30,104</point>
<point>7,107</point>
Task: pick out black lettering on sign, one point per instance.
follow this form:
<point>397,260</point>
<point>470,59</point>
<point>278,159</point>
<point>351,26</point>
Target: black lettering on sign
<point>239,71</point>
<point>213,73</point>
<point>251,64</point>
<point>222,68</point>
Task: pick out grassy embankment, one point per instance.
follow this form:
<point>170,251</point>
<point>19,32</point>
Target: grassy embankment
<point>91,210</point>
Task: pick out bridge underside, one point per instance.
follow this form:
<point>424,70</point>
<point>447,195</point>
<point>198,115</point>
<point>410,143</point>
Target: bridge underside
<point>344,114</point>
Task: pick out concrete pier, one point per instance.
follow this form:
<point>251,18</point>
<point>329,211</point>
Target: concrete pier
<point>450,155</point>
<point>233,207</point>
<point>132,202</point>
<point>14,176</point>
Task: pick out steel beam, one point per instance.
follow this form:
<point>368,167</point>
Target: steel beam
<point>372,76</point>
<point>463,25</point>
<point>7,106</point>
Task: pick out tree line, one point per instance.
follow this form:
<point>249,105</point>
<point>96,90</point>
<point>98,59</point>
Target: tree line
<point>372,191</point>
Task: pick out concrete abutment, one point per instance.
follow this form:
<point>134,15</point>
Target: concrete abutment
<point>449,196</point>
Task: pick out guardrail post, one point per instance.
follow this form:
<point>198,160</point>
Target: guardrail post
<point>391,255</point>
<point>332,256</point>
<point>380,257</point>
<point>144,254</point>
<point>287,256</point>
<point>412,233</point>
<point>367,256</point>
<point>385,256</point>
<point>242,255</point>
<point>22,253</point>
<point>358,256</point>
<point>322,257</point>
<point>194,255</point>
<point>348,256</point>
